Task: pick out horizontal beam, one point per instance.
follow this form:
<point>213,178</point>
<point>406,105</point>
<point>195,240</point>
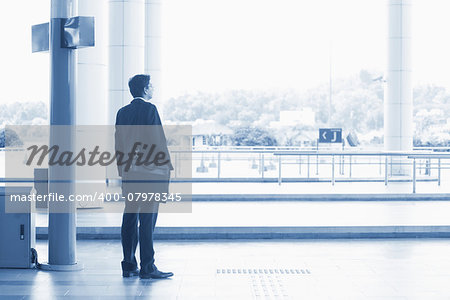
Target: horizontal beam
<point>270,232</point>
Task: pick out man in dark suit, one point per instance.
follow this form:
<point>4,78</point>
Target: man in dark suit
<point>133,135</point>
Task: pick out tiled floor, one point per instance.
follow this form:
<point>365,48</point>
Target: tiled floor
<point>239,269</point>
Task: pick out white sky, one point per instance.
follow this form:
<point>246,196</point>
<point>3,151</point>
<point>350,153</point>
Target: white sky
<point>215,45</point>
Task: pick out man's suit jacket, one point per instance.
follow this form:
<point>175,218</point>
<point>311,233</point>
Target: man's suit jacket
<point>139,112</point>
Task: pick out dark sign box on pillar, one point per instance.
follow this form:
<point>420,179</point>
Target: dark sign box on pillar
<point>78,32</point>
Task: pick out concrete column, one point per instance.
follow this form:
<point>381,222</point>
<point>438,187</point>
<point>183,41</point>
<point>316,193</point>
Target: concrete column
<point>126,50</point>
<point>398,104</point>
<point>92,95</point>
<point>92,89</point>
<point>153,13</point>
<point>62,216</point>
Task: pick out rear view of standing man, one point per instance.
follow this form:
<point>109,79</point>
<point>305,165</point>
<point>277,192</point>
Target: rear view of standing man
<point>133,135</point>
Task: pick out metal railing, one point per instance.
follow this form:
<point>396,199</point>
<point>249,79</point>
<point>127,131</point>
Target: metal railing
<point>417,160</point>
<point>308,157</point>
<point>388,163</point>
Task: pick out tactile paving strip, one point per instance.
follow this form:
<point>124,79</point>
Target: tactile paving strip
<point>264,271</point>
<point>266,283</point>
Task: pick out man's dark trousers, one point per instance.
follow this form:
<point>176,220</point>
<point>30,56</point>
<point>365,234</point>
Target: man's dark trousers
<point>146,213</point>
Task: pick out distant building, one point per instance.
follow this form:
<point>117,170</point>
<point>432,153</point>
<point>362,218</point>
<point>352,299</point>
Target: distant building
<point>292,127</point>
<point>291,118</point>
<point>207,133</point>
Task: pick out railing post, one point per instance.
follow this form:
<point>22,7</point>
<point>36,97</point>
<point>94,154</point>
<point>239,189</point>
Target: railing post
<point>259,161</point>
<point>262,165</point>
<point>379,168</point>
<point>385,170</point>
<point>414,175</point>
<point>300,165</point>
<point>439,171</point>
<point>332,170</point>
<point>308,163</point>
<point>391,166</point>
<point>340,164</point>
<point>343,165</point>
<point>420,167</point>
<point>350,166</point>
<point>317,164</point>
<point>279,169</point>
<point>218,164</point>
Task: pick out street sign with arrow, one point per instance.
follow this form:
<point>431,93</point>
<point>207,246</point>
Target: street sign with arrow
<point>330,135</point>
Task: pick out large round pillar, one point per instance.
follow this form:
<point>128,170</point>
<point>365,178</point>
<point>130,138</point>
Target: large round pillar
<point>92,89</point>
<point>92,96</point>
<point>126,50</point>
<point>62,216</point>
<point>398,104</point>
<point>153,13</point>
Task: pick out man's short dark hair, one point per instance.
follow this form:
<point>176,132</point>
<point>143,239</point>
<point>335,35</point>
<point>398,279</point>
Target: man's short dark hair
<point>138,83</point>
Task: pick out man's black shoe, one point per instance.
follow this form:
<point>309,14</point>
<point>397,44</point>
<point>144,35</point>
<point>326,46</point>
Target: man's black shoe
<point>130,273</point>
<point>157,274</point>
